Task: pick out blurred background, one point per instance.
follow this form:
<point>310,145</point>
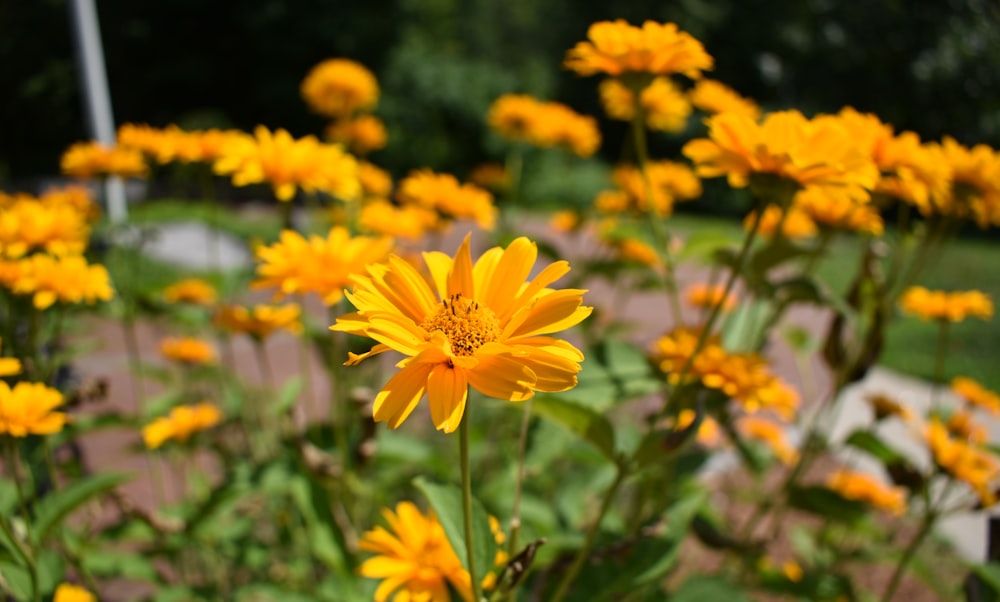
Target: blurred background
<point>931,66</point>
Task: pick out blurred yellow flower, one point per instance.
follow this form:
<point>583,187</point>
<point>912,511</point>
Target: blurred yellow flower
<point>9,366</point>
<point>975,183</point>
<point>618,48</point>
<point>375,181</point>
<point>770,433</point>
<point>471,324</point>
<point>317,265</point>
<point>30,224</point>
<point>67,592</point>
<point>965,461</point>
<point>705,296</point>
<point>174,144</point>
<point>976,394</point>
<point>187,350</point>
<point>288,164</point>
<point>713,97</point>
<point>339,87</point>
<point>92,159</point>
<point>180,424</point>
<point>953,306</point>
<point>414,558</point>
<point>669,182</point>
<point>838,211</point>
<point>64,279</point>
<point>443,193</point>
<point>191,290</point>
<point>865,488</point>
<point>795,225</point>
<point>520,117</point>
<point>962,425</point>
<point>565,221</point>
<point>709,432</point>
<point>744,377</point>
<point>27,409</point>
<point>260,321</point>
<point>664,106</point>
<point>362,134</point>
<point>408,221</point>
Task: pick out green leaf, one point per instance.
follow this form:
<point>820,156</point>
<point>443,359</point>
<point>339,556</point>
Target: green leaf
<point>744,329</point>
<point>989,576</point>
<point>288,396</point>
<point>51,570</point>
<point>16,579</point>
<point>112,563</point>
<point>586,423</point>
<point>869,442</point>
<point>827,503</point>
<point>51,511</point>
<point>446,500</point>
<point>324,536</point>
<point>708,589</point>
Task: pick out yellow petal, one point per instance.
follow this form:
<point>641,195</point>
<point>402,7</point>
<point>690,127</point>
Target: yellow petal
<point>511,271</point>
<point>502,377</point>
<point>558,310</point>
<point>439,264</point>
<point>400,396</point>
<point>552,345</point>
<point>447,391</point>
<point>553,372</point>
<point>460,281</point>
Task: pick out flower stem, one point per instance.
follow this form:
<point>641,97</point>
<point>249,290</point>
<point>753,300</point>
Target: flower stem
<point>463,439</point>
<point>908,553</point>
<point>581,556</point>
<point>515,516</point>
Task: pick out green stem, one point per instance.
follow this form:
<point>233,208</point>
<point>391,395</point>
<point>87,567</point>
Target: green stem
<point>939,358</point>
<point>908,553</point>
<point>13,462</point>
<point>463,438</point>
<point>581,556</point>
<point>340,409</point>
<point>515,517</point>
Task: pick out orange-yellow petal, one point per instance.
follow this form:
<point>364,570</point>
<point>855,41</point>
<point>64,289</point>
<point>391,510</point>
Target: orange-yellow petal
<point>447,392</point>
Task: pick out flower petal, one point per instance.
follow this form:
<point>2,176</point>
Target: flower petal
<point>400,396</point>
<point>447,392</point>
<point>507,278</point>
<point>439,264</point>
<point>555,311</point>
<point>553,371</point>
<point>502,377</point>
<point>460,281</point>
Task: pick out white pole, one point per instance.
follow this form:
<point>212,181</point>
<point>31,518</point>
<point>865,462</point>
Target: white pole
<point>90,58</point>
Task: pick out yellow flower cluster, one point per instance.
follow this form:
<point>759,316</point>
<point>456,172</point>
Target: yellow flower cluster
<point>191,290</point>
<point>260,321</point>
<point>174,144</point>
<point>714,97</point>
<point>865,488</point>
<point>795,223</point>
<point>180,424</point>
<point>664,106</point>
<point>975,394</point>
<point>362,134</point>
<point>289,164</point>
<point>444,194</point>
<point>415,560</point>
<point>669,182</point>
<point>744,377</point>
<point>523,118</point>
<point>92,159</point>
<point>953,306</point>
<point>618,48</point>
<point>49,279</point>
<point>57,222</point>
<point>772,434</point>
<point>975,183</point>
<point>187,350</point>
<point>401,221</point>
<point>317,265</point>
<point>339,87</point>
<point>965,461</point>
<point>28,409</point>
<point>707,296</point>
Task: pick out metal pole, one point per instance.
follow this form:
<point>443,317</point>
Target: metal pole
<point>90,58</point>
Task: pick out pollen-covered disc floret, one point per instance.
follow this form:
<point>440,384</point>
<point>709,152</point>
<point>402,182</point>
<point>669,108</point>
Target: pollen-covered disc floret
<point>466,324</point>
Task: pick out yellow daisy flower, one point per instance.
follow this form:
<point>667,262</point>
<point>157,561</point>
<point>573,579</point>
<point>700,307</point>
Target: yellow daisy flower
<point>92,159</point>
<point>953,306</point>
<point>27,409</point>
<point>713,97</point>
<point>976,394</point>
<point>180,424</point>
<point>865,488</point>
<point>443,193</point>
<point>664,106</point>
<point>796,225</point>
<point>471,324</point>
<point>191,290</point>
<point>339,87</point>
<point>617,48</point>
<point>67,592</point>
<point>700,294</point>
<point>965,461</point>
<point>362,134</point>
<point>260,321</point>
<point>770,433</point>
<point>187,350</point>
<point>65,279</point>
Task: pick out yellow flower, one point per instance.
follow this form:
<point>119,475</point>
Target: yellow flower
<point>632,249</point>
<point>443,193</point>
<point>409,221</point>
<point>260,321</point>
<point>288,164</point>
<point>953,306</point>
<point>72,195</point>
<point>709,432</point>
<point>478,324</point>
<point>744,377</point>
<point>975,189</point>
<point>713,97</point>
<point>669,182</point>
<point>617,48</point>
<point>65,279</point>
<point>565,221</point>
<point>362,134</point>
<point>976,394</point>
<point>884,406</point>
<point>786,145</point>
<point>28,409</point>
<point>28,224</point>
<point>92,159</point>
<point>375,181</point>
<point>9,366</point>
<point>664,106</point>
<point>339,87</point>
<point>174,144</point>
<point>796,225</point>
<point>770,433</point>
<point>492,176</point>
<point>962,425</point>
<point>965,461</point>
<point>180,424</point>
<point>700,294</point>
<point>414,558</point>
<point>191,290</point>
<point>520,117</point>
<point>187,350</point>
<point>865,488</point>
<point>67,592</point>
<point>323,266</point>
<point>838,211</point>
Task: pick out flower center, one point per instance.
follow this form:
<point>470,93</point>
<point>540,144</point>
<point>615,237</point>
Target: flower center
<point>467,324</point>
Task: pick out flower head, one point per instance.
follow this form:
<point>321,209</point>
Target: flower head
<point>27,409</point>
<point>794,222</point>
<point>443,193</point>
<point>617,48</point>
<point>191,290</point>
<point>975,183</point>
<point>30,224</point>
<point>67,279</point>
<point>669,182</point>
<point>67,592</point>
<point>407,221</point>
<point>664,106</point>
<point>865,488</point>
<point>180,424</point>
<point>707,296</point>
<point>316,265</point>
<point>772,434</point>
<point>92,159</point>
<point>260,321</point>
<point>362,134</point>
<point>714,97</point>
<point>187,350</point>
<point>339,87</point>
<point>943,305</point>
<point>965,461</point>
<point>480,324</point>
<point>9,366</point>
<point>976,394</point>
<point>520,117</point>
